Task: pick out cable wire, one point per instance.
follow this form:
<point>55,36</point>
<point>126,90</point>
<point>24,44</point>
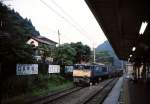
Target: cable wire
<point>58,14</point>
<point>64,12</point>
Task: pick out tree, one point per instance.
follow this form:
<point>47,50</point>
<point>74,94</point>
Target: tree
<point>72,53</point>
<point>103,54</point>
<point>83,52</point>
<point>104,57</point>
<point>65,54</point>
<point>15,50</point>
<point>14,31</point>
<point>19,26</point>
<point>46,51</point>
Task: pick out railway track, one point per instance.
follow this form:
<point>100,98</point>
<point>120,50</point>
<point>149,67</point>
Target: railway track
<point>54,96</point>
<point>99,96</point>
<point>79,95</point>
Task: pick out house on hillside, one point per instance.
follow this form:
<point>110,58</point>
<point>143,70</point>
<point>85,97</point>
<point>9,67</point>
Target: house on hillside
<point>43,48</point>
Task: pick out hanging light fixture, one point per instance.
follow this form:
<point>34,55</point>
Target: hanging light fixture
<point>134,48</point>
<point>143,27</point>
<point>130,55</point>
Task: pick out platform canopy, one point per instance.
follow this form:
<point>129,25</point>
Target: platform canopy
<point>121,22</point>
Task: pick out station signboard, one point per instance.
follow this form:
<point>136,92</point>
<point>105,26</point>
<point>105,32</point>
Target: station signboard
<point>26,69</point>
<point>68,69</point>
<point>54,69</point>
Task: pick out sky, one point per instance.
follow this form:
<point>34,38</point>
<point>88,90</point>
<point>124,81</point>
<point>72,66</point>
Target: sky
<point>72,18</point>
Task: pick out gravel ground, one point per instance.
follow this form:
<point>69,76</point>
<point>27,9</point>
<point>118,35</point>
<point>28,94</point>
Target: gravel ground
<point>79,96</point>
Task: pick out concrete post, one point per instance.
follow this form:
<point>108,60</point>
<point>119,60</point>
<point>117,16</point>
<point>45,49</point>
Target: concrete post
<point>144,72</point>
<point>135,72</point>
<point>138,72</point>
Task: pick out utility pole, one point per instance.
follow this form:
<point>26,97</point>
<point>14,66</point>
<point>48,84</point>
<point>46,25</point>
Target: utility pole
<point>59,37</point>
<point>60,47</point>
<point>93,53</point>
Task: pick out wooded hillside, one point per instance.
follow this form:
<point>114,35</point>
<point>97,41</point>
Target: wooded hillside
<point>14,31</point>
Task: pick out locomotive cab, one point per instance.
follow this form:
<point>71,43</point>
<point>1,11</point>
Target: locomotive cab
<point>89,74</point>
<point>81,74</point>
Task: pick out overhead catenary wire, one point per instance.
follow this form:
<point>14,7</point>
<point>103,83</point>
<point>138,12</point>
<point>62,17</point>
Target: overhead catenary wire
<point>64,18</point>
<point>73,20</point>
<point>64,12</point>
<point>56,32</point>
<point>58,14</point>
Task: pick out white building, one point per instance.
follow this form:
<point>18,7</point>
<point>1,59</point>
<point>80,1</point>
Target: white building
<point>39,43</point>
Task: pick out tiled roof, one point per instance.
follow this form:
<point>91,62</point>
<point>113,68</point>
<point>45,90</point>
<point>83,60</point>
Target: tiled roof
<point>44,40</point>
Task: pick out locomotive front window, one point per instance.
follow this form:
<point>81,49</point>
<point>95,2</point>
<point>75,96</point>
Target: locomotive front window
<point>78,67</point>
<point>86,67</point>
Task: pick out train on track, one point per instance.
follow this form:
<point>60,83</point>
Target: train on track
<point>92,73</point>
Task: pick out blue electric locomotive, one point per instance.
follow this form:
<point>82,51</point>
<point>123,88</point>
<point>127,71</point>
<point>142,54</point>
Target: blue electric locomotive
<point>89,74</point>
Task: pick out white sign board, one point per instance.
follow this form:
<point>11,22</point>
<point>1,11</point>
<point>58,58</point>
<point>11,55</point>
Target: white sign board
<point>54,69</point>
<point>26,69</point>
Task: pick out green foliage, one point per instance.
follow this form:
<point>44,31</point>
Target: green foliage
<point>14,32</point>
<point>13,23</point>
<point>14,86</point>
<point>23,86</point>
<point>68,54</point>
<point>83,52</point>
<point>48,50</point>
<point>104,57</point>
<point>48,83</point>
<point>65,54</point>
<point>15,50</point>
<point>103,54</point>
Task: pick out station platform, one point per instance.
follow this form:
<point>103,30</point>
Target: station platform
<point>114,95</point>
<point>128,92</point>
<point>136,92</point>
